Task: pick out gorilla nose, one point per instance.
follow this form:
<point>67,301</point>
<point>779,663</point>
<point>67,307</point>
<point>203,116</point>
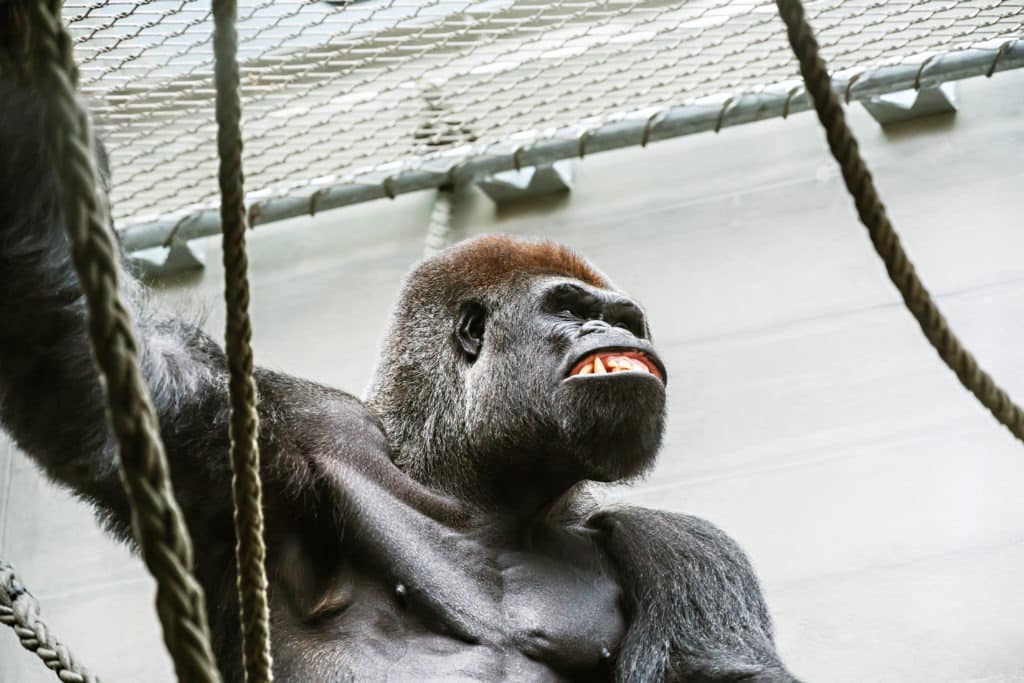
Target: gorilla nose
<point>594,326</point>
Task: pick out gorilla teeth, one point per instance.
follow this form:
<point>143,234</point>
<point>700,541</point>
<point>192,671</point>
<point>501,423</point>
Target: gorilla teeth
<point>609,363</point>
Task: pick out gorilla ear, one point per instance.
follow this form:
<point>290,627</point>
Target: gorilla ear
<point>469,330</point>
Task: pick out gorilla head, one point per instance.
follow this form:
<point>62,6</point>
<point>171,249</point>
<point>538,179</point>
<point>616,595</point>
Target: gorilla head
<point>512,362</point>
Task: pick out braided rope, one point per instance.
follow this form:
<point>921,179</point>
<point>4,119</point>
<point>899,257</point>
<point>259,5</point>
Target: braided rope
<point>156,519</point>
<point>20,610</point>
<point>250,551</point>
<point>439,228</point>
<point>873,215</point>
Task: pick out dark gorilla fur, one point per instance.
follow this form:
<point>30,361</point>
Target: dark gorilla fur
<point>438,530</point>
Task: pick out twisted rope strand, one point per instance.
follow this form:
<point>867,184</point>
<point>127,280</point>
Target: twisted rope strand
<point>20,610</point>
<point>250,551</point>
<point>887,243</point>
<point>156,519</point>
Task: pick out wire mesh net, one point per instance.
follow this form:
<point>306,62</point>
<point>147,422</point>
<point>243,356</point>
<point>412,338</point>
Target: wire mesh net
<point>331,90</point>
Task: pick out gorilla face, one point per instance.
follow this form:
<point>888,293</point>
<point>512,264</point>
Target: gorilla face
<point>565,382</point>
<point>513,368</point>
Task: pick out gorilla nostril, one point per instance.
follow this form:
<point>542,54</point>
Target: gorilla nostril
<point>594,326</point>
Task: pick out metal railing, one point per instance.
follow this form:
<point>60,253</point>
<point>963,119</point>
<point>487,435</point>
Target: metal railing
<point>375,98</point>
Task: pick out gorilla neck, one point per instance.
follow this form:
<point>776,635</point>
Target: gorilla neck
<point>524,493</point>
<point>513,486</point>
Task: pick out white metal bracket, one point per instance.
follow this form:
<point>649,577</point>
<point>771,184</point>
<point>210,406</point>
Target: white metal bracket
<point>911,104</point>
<point>528,183</point>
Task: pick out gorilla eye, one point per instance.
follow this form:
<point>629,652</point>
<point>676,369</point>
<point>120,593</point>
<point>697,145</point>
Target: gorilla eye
<point>469,330</point>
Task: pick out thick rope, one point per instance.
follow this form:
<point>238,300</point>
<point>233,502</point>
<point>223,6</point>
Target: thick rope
<point>441,129</point>
<point>250,551</point>
<point>20,611</point>
<point>439,229</point>
<point>156,520</point>
<point>883,236</point>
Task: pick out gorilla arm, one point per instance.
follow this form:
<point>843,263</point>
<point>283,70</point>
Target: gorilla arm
<point>322,450</point>
<point>50,396</point>
<point>694,606</point>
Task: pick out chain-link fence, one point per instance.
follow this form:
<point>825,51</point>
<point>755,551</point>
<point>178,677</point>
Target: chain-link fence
<point>364,99</point>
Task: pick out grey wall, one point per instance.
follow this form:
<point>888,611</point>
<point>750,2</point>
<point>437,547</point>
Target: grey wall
<point>809,418</point>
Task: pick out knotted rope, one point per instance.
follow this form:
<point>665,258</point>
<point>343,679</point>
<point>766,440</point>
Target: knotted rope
<point>250,551</point>
<point>873,215</point>
<point>20,611</point>
<point>156,519</point>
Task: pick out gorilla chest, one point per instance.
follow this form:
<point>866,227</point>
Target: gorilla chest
<point>537,616</point>
<point>566,613</point>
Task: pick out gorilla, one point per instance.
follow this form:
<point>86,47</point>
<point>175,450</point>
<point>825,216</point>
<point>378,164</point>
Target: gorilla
<point>438,530</point>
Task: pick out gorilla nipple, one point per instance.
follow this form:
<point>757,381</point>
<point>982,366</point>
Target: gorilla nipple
<point>401,593</point>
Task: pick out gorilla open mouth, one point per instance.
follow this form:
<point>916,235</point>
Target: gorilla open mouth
<point>614,361</point>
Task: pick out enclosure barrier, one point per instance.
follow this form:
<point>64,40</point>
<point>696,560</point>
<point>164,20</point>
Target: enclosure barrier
<point>373,98</point>
<point>461,165</point>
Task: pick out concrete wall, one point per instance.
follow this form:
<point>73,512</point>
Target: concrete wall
<point>809,418</point>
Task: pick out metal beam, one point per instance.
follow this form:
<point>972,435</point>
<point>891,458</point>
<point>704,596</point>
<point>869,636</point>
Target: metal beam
<point>639,128</point>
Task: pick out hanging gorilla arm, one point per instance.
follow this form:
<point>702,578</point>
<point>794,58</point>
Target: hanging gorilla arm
<point>50,396</point>
<point>322,449</point>
<point>316,440</point>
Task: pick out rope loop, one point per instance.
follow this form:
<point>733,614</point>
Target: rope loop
<point>721,113</point>
<point>920,71</point>
<point>789,100</point>
<point>517,158</point>
<point>652,120</point>
<point>582,140</point>
<point>995,60</point>
<point>849,86</point>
